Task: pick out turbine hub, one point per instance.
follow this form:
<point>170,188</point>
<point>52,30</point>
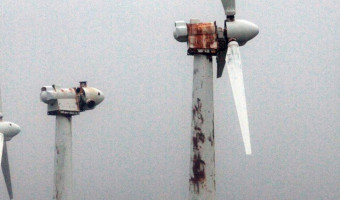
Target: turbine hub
<point>241,30</point>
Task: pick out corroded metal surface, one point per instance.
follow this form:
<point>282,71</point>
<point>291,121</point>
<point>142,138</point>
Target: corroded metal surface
<point>202,38</point>
<point>202,165</point>
<point>63,181</point>
<point>202,28</point>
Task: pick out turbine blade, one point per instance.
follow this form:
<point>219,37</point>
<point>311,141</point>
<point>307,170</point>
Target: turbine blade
<point>0,106</point>
<point>236,80</point>
<point>2,139</point>
<point>6,172</point>
<point>229,7</point>
<point>220,59</point>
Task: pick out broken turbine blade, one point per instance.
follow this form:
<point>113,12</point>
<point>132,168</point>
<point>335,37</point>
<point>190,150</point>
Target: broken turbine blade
<point>234,66</point>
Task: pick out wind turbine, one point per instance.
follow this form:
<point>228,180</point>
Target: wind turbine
<point>7,131</point>
<point>205,40</point>
<point>64,103</point>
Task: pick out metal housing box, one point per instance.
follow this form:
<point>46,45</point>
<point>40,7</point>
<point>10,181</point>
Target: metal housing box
<point>60,100</point>
<point>202,38</point>
<point>70,101</point>
<point>63,106</point>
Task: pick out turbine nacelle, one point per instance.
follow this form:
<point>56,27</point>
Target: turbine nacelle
<point>70,101</point>
<point>240,30</point>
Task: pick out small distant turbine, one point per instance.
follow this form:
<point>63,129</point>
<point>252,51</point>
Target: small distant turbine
<point>204,41</point>
<point>64,103</point>
<point>7,131</point>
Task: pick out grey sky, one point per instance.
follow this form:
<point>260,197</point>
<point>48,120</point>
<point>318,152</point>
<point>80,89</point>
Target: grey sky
<point>135,145</point>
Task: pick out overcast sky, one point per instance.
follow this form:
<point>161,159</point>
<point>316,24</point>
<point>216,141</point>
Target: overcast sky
<point>136,144</point>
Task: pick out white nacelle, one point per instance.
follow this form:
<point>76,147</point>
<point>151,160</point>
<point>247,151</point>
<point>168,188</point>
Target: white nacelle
<point>70,101</point>
<point>9,129</point>
<point>240,30</point>
<point>60,100</point>
<point>52,93</point>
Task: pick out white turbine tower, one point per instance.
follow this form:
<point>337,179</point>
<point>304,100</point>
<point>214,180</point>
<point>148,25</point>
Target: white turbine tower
<point>64,103</point>
<point>7,131</point>
<point>204,41</point>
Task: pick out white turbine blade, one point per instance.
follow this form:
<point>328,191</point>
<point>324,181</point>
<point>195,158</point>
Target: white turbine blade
<point>2,140</point>
<point>6,172</point>
<point>236,80</point>
<point>229,7</point>
<point>0,106</point>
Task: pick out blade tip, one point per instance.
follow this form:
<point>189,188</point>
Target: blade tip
<point>248,151</point>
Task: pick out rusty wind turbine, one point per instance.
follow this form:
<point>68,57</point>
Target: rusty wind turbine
<point>64,103</point>
<point>205,40</point>
<point>7,131</point>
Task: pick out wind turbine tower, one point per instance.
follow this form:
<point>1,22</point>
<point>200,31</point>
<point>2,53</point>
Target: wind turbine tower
<point>205,40</point>
<point>7,131</point>
<point>64,103</point>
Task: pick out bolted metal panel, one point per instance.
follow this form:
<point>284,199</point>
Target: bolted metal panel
<point>63,158</point>
<point>202,158</point>
<point>202,38</point>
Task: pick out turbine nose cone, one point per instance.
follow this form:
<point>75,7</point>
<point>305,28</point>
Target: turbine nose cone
<point>93,97</point>
<point>253,30</point>
<point>13,130</point>
<point>242,31</point>
<point>17,128</point>
<point>100,97</point>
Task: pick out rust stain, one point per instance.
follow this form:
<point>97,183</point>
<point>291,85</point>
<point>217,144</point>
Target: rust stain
<point>57,150</point>
<point>201,28</point>
<point>202,38</point>
<point>211,138</point>
<point>198,137</point>
<point>211,141</point>
<point>198,169</point>
<point>196,112</point>
<point>202,42</point>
